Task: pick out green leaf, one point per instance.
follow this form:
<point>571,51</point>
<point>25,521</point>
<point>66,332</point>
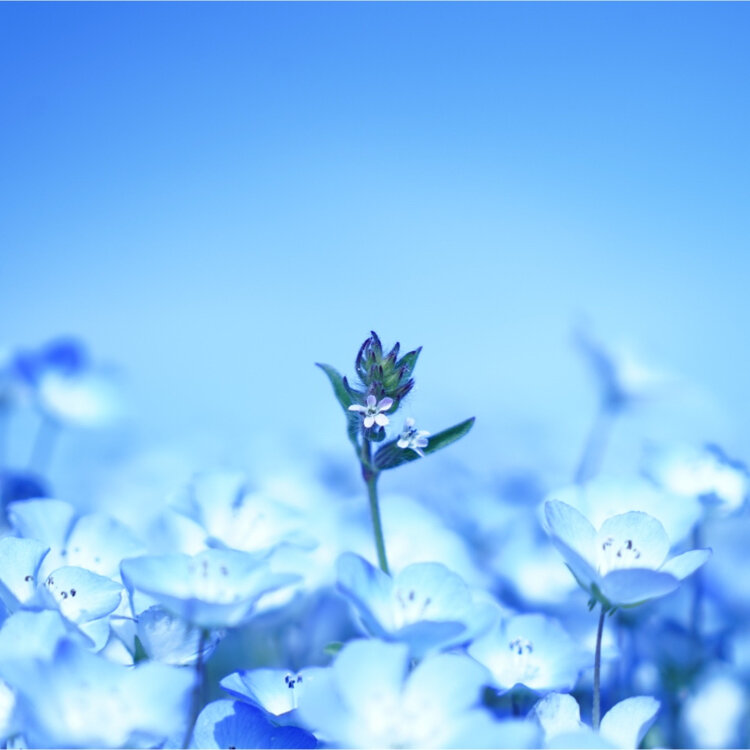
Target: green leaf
<point>333,648</point>
<point>389,455</point>
<point>339,389</point>
<point>346,399</point>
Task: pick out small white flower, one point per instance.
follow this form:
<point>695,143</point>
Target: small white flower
<point>413,438</point>
<point>373,411</point>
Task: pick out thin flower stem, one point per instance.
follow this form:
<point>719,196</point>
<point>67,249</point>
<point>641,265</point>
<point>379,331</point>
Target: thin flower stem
<point>198,689</point>
<point>596,443</point>
<point>4,420</point>
<point>370,476</point>
<point>597,707</point>
<point>44,444</point>
<point>696,610</point>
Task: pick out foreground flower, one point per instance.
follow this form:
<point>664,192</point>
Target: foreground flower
<point>276,691</point>
<point>426,605</point>
<point>373,411</point>
<point>368,698</point>
<point>530,650</point>
<point>625,562</point>
<point>235,724</point>
<point>412,438</point>
<point>79,699</point>
<point>213,589</point>
<point>623,726</point>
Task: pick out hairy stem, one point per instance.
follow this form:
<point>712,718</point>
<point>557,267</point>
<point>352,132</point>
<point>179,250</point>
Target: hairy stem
<point>597,707</point>
<point>370,476</point>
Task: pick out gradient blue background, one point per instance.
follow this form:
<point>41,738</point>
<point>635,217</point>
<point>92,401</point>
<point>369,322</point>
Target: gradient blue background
<point>216,196</point>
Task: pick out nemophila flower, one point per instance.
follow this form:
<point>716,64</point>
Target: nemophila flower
<point>706,473</point>
<point>67,386</point>
<point>82,597</point>
<point>425,605</point>
<point>625,562</point>
<point>234,724</point>
<point>605,496</point>
<point>368,698</point>
<point>276,691</point>
<point>413,439</point>
<point>372,411</point>
<point>235,516</point>
<point>213,589</point>
<point>168,639</point>
<point>531,650</point>
<point>623,726</point>
<point>94,541</point>
<point>79,699</point>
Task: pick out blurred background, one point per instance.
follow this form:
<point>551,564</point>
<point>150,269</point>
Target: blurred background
<point>216,196</point>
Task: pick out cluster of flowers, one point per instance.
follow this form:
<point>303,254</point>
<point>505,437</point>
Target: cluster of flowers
<point>248,615</point>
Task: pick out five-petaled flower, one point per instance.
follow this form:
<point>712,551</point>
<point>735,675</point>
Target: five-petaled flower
<point>624,562</point>
<point>413,438</point>
<point>373,411</point>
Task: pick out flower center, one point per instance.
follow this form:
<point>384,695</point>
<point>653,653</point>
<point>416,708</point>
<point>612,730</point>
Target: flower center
<point>617,553</point>
<point>522,659</point>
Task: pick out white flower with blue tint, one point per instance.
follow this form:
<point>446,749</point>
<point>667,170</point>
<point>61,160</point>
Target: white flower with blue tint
<point>605,496</point>
<point>213,589</point>
<point>625,562</point>
<point>425,605</point>
<point>372,411</point>
<point>20,560</point>
<point>276,691</point>
<point>233,724</point>
<point>706,473</point>
<point>235,516</point>
<point>413,439</point>
<point>79,699</point>
<point>368,698</point>
<point>531,650</point>
<point>93,541</point>
<point>171,640</point>
<point>623,726</point>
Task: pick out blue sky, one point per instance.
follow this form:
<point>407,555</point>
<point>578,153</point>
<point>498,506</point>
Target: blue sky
<point>217,195</point>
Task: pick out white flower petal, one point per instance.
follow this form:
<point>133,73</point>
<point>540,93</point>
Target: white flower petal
<point>685,564</point>
<point>628,586</point>
<point>626,723</point>
<point>385,404</point>
<point>649,541</point>
<point>574,537</point>
<point>381,420</point>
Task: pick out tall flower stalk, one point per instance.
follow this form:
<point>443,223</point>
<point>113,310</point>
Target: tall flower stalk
<point>384,382</point>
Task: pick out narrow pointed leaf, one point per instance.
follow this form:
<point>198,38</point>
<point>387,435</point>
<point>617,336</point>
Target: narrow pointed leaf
<point>339,389</point>
<point>389,455</point>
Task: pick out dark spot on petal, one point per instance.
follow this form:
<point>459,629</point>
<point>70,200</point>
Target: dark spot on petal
<point>28,578</point>
<point>72,592</point>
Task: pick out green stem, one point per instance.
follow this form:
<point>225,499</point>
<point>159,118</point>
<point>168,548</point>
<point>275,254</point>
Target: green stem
<point>597,707</point>
<point>370,476</point>
<point>198,689</point>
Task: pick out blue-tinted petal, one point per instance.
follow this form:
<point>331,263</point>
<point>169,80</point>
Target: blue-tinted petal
<point>365,671</point>
<point>168,639</point>
<point>444,684</point>
<point>48,521</point>
<point>635,585</point>
<point>557,713</point>
<point>99,543</point>
<point>81,595</point>
<point>225,723</point>
<point>574,537</point>
<point>369,589</point>
<point>687,563</point>
<point>626,723</point>
<point>20,560</point>
<point>648,542</point>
